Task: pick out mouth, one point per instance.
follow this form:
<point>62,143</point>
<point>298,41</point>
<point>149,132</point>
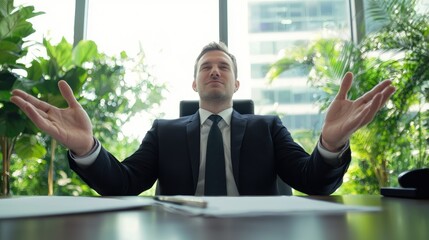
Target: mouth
<point>215,82</point>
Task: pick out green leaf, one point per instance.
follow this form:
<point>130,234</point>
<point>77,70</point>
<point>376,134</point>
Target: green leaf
<point>28,147</point>
<point>75,77</point>
<point>11,122</point>
<point>56,100</point>
<point>28,12</point>
<point>25,84</point>
<point>35,71</point>
<point>8,57</point>
<point>10,51</point>
<point>85,51</point>
<point>7,79</point>
<point>16,23</point>
<point>60,55</point>
<point>46,87</point>
<point>5,7</point>
<point>5,96</point>
<point>53,69</point>
<point>7,45</point>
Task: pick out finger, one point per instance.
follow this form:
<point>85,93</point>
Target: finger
<point>43,106</point>
<point>386,94</point>
<point>67,93</point>
<point>363,115</point>
<point>379,88</point>
<point>346,84</point>
<point>34,114</point>
<point>370,110</point>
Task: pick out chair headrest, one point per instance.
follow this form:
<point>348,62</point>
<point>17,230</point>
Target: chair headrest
<point>243,106</point>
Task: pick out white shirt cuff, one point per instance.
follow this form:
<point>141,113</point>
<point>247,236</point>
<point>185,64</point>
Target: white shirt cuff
<point>332,158</point>
<point>88,159</point>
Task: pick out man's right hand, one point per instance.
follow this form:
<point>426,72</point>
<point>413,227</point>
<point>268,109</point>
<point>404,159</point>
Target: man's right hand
<point>69,126</point>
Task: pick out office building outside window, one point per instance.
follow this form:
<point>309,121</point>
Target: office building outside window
<point>276,25</point>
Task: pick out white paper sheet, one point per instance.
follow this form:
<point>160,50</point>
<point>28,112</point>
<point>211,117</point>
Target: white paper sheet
<point>264,206</point>
<point>31,206</point>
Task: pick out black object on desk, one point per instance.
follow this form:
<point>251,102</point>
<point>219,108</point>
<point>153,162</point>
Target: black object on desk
<point>414,184</point>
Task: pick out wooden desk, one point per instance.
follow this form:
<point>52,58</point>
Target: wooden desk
<point>398,219</point>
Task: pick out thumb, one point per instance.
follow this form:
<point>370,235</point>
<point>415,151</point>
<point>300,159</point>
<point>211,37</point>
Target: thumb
<point>67,93</point>
<point>346,84</point>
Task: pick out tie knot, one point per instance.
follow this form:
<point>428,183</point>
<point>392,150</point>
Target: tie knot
<point>215,118</point>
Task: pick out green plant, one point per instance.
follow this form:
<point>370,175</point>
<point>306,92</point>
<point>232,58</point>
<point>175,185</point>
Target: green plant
<point>396,140</point>
<point>14,28</point>
<point>99,84</point>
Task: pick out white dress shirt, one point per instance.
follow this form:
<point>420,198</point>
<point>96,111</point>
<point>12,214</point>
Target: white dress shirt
<point>224,126</point>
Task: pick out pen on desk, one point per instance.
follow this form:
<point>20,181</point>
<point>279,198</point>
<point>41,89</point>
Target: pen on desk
<point>186,201</point>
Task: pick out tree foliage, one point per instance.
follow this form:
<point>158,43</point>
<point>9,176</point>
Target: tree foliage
<point>397,49</point>
<point>112,89</point>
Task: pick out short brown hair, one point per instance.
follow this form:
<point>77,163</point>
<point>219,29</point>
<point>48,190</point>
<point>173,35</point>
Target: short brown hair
<point>214,46</point>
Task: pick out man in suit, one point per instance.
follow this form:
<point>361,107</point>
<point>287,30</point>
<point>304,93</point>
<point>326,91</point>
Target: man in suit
<point>255,148</point>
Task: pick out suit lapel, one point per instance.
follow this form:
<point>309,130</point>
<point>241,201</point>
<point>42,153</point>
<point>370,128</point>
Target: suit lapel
<point>238,127</point>
<point>193,135</point>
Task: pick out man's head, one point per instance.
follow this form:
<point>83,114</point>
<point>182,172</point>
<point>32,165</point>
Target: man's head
<point>215,76</point>
<point>214,46</point>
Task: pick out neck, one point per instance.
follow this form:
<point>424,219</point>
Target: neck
<point>215,106</point>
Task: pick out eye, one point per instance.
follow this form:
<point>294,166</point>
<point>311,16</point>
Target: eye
<point>224,67</point>
<point>205,67</point>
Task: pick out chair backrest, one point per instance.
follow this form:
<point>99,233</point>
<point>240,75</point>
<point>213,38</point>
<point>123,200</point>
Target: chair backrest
<point>243,106</point>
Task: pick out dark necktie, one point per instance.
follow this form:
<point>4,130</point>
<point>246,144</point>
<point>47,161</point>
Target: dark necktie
<point>215,180</point>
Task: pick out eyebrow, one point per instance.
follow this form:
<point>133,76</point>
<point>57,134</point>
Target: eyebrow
<point>223,63</point>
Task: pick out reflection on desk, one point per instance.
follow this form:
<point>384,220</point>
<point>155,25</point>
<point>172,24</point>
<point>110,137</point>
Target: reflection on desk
<point>398,219</point>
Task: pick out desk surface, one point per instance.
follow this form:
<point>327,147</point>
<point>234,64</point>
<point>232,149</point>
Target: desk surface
<point>398,219</point>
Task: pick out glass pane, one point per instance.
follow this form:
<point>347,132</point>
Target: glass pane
<point>259,30</point>
<point>56,22</point>
<point>171,33</point>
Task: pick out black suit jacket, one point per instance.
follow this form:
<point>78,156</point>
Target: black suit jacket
<point>261,149</point>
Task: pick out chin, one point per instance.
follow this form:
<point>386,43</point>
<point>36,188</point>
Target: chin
<point>215,97</point>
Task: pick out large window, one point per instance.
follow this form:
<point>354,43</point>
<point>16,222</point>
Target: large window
<point>171,33</point>
<point>56,22</point>
<point>263,30</point>
<point>291,16</point>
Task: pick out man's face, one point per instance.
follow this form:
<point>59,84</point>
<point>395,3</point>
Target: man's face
<point>215,78</point>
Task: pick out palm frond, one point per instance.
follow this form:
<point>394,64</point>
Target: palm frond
<point>382,13</point>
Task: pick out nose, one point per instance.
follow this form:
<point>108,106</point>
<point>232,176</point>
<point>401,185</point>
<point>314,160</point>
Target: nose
<point>215,72</point>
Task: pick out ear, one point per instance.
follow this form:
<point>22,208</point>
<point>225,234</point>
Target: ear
<point>237,85</point>
<point>194,86</point>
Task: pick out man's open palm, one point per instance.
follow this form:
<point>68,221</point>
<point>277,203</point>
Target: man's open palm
<point>345,116</point>
<point>69,126</point>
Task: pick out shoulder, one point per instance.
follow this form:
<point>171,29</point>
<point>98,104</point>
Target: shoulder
<point>182,121</point>
<point>257,118</point>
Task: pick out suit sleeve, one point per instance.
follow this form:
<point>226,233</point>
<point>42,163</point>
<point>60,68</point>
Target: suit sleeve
<point>307,173</point>
<point>137,173</point>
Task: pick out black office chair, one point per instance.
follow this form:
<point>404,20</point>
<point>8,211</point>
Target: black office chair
<point>243,106</point>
